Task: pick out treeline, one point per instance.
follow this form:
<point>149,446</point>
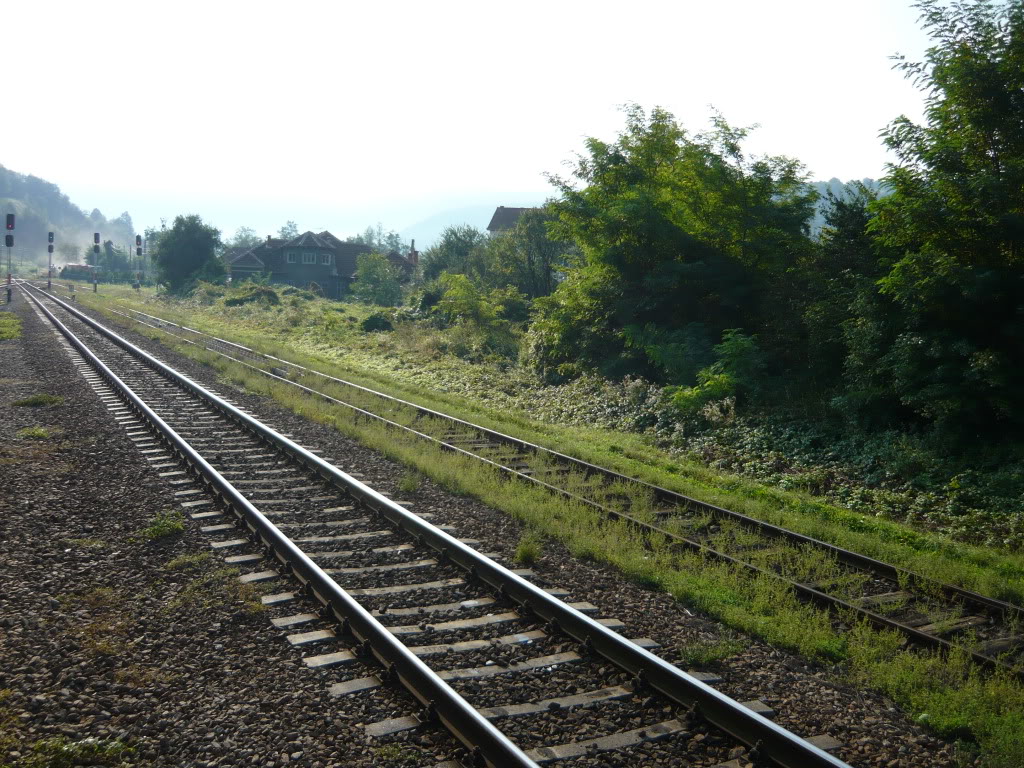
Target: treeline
<point>679,258</point>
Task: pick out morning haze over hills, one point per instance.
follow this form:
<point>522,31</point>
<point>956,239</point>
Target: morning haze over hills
<point>41,207</point>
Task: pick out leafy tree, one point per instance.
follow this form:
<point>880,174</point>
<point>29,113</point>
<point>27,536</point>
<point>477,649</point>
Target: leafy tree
<point>377,282</point>
<point>681,237</point>
<point>379,239</point>
<point>244,237</point>
<point>838,274</point>
<point>188,252</point>
<point>943,338</point>
<point>289,230</point>
<point>460,250</point>
<point>526,257</point>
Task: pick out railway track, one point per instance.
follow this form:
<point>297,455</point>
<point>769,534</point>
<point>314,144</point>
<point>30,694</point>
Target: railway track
<point>395,599</point>
<point>928,613</point>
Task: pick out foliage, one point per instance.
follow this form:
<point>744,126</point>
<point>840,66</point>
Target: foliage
<point>939,345</point>
<point>377,322</point>
<point>526,257</point>
<point>289,231</point>
<point>681,236</point>
<point>379,239</point>
<point>377,281</point>
<point>460,250</point>
<point>188,252</point>
<point>244,237</point>
<point>250,292</point>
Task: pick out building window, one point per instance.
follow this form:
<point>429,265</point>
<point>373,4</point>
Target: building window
<point>325,258</point>
<point>290,257</point>
<point>308,258</point>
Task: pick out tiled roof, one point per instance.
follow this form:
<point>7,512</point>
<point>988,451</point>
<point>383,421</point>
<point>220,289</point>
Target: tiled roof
<point>246,259</point>
<point>308,240</point>
<point>505,218</point>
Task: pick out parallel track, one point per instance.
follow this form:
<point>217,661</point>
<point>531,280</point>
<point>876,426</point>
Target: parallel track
<point>215,440</point>
<point>928,613</point>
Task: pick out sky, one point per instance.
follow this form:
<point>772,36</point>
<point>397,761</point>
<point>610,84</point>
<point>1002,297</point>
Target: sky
<point>339,115</point>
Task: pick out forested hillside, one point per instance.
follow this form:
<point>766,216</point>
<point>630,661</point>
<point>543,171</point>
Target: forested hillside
<point>41,207</point>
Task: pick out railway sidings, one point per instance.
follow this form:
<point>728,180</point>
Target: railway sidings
<point>783,681</point>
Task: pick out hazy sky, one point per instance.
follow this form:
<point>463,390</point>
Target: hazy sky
<point>339,114</point>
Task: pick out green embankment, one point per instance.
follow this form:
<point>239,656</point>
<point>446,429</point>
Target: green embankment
<point>947,693</point>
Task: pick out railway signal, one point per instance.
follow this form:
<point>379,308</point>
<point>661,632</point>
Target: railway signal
<point>96,258</point>
<point>49,266</point>
<point>9,242</point>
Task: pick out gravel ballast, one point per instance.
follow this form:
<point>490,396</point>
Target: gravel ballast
<point>94,643</point>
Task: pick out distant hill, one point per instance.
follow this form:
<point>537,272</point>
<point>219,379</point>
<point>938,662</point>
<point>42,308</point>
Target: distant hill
<point>41,207</point>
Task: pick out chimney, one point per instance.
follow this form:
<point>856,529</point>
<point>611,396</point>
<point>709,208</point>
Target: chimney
<point>414,255</point>
<point>268,238</point>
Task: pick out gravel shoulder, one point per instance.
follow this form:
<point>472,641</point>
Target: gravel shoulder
<point>95,640</point>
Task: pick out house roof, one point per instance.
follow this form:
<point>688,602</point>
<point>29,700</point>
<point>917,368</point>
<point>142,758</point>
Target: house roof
<point>246,259</point>
<point>308,240</point>
<point>505,218</point>
<point>399,260</point>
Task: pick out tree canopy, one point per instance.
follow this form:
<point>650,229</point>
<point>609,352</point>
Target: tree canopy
<point>681,237</point>
<point>941,342</point>
<point>187,252</point>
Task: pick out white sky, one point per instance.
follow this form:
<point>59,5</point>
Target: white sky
<point>342,114</point>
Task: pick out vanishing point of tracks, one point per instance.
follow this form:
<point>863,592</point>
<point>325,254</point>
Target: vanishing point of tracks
<point>487,653</point>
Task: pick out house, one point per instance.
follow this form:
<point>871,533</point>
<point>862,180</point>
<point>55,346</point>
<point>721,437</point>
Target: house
<point>505,218</point>
<point>310,260</point>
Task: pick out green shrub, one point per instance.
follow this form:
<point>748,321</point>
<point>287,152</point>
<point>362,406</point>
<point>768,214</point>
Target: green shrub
<point>248,293</point>
<point>376,323</point>
<point>710,387</point>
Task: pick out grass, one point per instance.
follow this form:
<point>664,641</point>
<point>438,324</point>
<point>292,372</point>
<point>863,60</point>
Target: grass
<point>60,752</point>
<point>395,754</point>
<point>192,561</point>
<point>529,548</point>
<point>169,522</point>
<point>946,692</point>
<point>708,651</point>
<point>36,433</point>
<point>10,326</point>
<point>410,482</point>
<point>213,586</point>
<point>39,401</point>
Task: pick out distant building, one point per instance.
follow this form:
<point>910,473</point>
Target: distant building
<point>320,259</point>
<point>505,218</point>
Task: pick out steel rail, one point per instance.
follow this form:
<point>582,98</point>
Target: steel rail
<point>884,570</point>
<point>879,567</point>
<point>770,740</point>
<point>465,722</point>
